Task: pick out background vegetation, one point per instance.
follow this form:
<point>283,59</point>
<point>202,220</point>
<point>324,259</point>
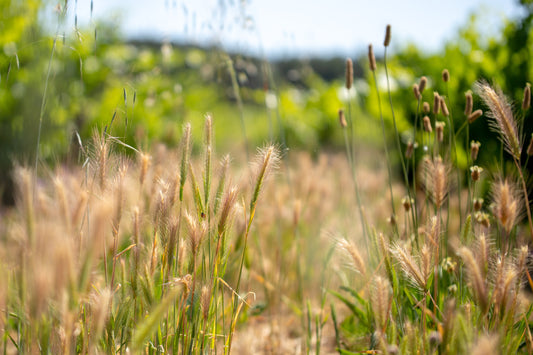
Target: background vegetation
<point>100,108</point>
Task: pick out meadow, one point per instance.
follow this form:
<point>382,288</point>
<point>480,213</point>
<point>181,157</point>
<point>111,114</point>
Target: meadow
<point>372,221</point>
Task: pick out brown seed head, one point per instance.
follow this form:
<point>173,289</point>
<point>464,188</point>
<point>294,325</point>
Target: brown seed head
<point>443,107</point>
<point>436,103</point>
<point>427,124</point>
<point>426,108</point>
<point>469,103</point>
<point>474,116</point>
<point>475,172</point>
<point>349,73</point>
<point>526,101</point>
<point>445,75</point>
<point>416,91</point>
<point>422,84</point>
<point>342,119</point>
<point>439,128</point>
<point>371,58</point>
<point>474,149</point>
<point>482,218</point>
<point>407,203</point>
<point>478,204</point>
<point>386,42</point>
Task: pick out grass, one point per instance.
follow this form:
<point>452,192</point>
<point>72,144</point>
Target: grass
<point>183,251</point>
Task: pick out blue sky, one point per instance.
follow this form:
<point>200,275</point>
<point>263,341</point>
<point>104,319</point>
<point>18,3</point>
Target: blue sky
<point>296,28</point>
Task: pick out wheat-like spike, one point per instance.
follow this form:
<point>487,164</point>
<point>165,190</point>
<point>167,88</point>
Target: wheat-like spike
<point>479,288</point>
<point>267,160</point>
<point>381,299</point>
<point>356,260</point>
<point>438,183</point>
<point>501,113</point>
<point>507,203</point>
<point>409,266</point>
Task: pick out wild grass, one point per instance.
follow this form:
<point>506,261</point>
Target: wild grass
<point>129,255</point>
<point>184,251</point>
<point>457,275</point>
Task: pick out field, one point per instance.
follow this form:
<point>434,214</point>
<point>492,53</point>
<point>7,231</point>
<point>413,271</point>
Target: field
<point>373,221</point>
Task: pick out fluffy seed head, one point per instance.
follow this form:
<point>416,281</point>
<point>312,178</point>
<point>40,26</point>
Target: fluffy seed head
<point>356,260</point>
<point>507,203</point>
<point>501,113</point>
<point>437,184</point>
<point>381,299</point>
<point>409,266</point>
<point>477,281</point>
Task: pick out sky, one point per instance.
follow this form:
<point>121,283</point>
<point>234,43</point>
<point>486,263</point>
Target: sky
<point>281,28</point>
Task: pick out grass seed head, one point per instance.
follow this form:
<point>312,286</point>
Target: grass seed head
<point>469,103</point>
<point>444,107</point>
<point>386,42</point>
<point>474,116</point>
<point>342,119</point>
<point>349,74</point>
<point>356,260</point>
<point>507,203</point>
<point>439,130</point>
<point>416,91</point>
<point>436,103</point>
<point>427,124</point>
<point>474,149</point>
<point>426,108</point>
<point>445,75</point>
<point>501,113</point>
<point>477,281</point>
<point>422,84</point>
<point>381,299</point>
<point>371,58</point>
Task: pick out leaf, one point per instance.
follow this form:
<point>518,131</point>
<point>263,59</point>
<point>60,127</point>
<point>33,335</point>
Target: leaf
<point>150,324</point>
<point>355,310</point>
